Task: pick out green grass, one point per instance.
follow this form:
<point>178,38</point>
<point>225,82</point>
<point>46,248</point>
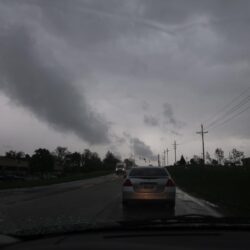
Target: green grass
<point>34,183</point>
<point>226,187</point>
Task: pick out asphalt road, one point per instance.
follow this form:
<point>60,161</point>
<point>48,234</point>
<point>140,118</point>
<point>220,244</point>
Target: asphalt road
<point>93,200</point>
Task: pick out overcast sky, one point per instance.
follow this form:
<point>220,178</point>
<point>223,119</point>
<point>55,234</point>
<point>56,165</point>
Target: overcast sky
<point>128,76</point>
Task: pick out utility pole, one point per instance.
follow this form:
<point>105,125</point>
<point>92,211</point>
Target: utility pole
<point>202,132</point>
<point>132,157</point>
<point>167,155</point>
<point>159,161</point>
<point>175,147</point>
<point>164,157</point>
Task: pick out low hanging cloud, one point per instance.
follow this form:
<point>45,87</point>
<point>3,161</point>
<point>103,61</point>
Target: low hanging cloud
<point>44,88</point>
<point>169,116</point>
<point>141,149</point>
<point>150,120</point>
<point>145,105</point>
<point>175,133</point>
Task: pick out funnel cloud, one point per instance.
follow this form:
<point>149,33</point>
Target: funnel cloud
<point>45,89</point>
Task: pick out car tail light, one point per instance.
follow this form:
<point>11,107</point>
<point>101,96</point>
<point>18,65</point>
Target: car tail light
<point>170,183</point>
<point>127,183</point>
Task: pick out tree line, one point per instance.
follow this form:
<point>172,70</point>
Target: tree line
<point>234,158</point>
<point>42,161</point>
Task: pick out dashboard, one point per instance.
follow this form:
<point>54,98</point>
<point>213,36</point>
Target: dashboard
<point>181,239</point>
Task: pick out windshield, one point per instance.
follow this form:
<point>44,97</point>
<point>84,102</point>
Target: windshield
<point>94,94</point>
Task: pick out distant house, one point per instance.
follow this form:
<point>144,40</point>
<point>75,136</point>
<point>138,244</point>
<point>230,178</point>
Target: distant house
<point>13,167</point>
<point>246,161</point>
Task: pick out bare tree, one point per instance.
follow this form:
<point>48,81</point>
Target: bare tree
<point>237,156</point>
<point>219,154</point>
<point>208,157</point>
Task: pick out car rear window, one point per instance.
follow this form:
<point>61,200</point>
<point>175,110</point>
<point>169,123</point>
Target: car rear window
<point>148,172</point>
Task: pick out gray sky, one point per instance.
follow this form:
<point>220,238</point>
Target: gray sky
<point>130,76</point>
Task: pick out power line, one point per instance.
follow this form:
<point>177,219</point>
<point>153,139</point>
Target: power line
<point>211,118</point>
<point>230,111</point>
<point>230,118</point>
<point>243,102</point>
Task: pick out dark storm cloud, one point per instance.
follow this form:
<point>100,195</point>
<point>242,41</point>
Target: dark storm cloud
<point>92,25</point>
<point>229,19</point>
<point>118,140</point>
<point>171,11</point>
<point>45,89</point>
<point>126,136</point>
<point>194,51</point>
<point>141,149</point>
<point>101,21</point>
<point>150,120</point>
<point>77,23</point>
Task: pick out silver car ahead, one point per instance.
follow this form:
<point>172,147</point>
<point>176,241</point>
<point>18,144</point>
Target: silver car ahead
<point>149,184</point>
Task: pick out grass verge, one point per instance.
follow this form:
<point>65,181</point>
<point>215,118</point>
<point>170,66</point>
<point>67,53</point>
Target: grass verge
<point>226,187</point>
<point>34,183</point>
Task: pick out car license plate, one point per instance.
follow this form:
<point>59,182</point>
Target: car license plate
<point>148,186</point>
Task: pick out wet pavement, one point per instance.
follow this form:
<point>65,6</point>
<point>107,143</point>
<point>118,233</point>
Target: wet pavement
<point>85,201</point>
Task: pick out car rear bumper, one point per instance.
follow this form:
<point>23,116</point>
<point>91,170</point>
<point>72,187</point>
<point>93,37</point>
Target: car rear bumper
<point>157,197</point>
